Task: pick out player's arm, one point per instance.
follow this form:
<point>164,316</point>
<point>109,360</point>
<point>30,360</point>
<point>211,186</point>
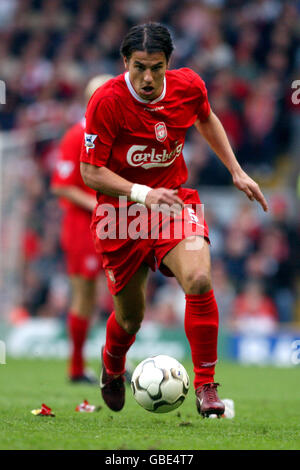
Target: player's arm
<point>108,182</point>
<point>75,195</point>
<point>213,132</point>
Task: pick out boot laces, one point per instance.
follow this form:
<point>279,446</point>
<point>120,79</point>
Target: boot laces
<point>211,390</point>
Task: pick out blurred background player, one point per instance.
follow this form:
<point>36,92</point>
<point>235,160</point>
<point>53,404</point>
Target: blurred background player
<point>82,262</point>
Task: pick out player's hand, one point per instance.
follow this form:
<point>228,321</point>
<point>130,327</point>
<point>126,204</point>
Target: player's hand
<point>244,183</point>
<point>164,200</point>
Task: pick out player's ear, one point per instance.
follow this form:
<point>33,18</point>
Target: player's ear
<point>125,61</point>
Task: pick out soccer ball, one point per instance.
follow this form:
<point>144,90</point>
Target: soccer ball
<point>160,384</point>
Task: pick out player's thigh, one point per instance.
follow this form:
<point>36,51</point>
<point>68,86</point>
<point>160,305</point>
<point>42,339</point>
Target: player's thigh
<point>83,294</point>
<point>130,302</point>
<point>190,263</point>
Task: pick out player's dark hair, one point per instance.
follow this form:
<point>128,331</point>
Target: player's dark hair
<point>149,37</point>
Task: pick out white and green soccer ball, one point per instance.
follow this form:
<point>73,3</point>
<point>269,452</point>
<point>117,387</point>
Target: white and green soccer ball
<point>160,384</point>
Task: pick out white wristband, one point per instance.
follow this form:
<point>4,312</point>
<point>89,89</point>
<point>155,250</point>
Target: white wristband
<point>139,193</point>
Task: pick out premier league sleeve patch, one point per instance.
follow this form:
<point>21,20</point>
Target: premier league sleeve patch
<point>89,141</point>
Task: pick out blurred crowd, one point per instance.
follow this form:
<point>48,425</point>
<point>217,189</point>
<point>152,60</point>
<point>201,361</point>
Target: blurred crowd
<point>248,53</point>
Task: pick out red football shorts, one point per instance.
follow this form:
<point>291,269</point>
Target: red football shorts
<point>125,242</point>
<point>77,242</point>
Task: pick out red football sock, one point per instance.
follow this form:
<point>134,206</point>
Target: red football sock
<point>118,341</point>
<point>77,328</point>
<point>201,328</point>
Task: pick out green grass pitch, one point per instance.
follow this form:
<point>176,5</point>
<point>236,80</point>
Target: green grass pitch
<point>267,403</point>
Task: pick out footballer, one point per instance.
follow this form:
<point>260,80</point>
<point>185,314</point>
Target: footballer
<point>82,261</point>
<point>135,132</point>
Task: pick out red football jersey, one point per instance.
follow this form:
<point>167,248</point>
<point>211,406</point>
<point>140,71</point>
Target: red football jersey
<point>67,173</point>
<point>142,140</point>
<point>67,168</point>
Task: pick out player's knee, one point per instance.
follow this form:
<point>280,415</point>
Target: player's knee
<point>132,326</point>
<point>132,322</point>
<point>197,282</point>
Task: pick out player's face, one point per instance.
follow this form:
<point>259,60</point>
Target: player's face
<point>146,73</point>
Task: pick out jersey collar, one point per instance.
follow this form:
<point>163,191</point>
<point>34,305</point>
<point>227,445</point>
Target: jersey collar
<point>138,98</point>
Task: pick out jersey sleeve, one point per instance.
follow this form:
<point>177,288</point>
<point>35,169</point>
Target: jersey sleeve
<point>66,172</point>
<point>200,91</point>
<point>102,126</point>
<point>204,106</point>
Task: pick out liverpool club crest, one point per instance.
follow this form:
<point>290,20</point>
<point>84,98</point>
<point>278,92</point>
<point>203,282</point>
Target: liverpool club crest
<point>161,131</point>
